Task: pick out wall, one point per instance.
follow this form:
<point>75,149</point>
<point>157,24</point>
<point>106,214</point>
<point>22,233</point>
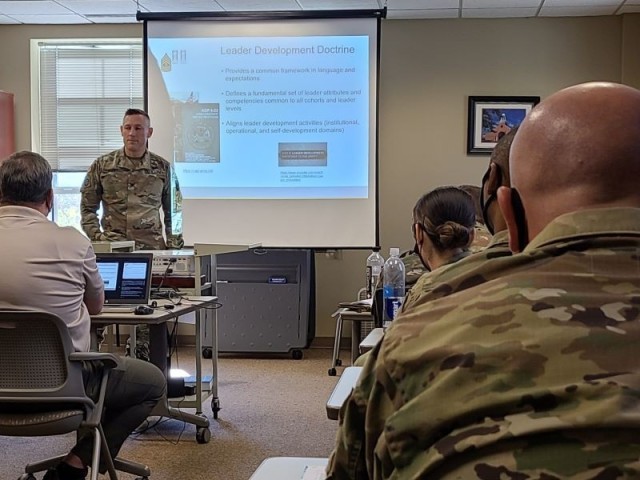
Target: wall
<point>428,69</point>
<point>630,45</point>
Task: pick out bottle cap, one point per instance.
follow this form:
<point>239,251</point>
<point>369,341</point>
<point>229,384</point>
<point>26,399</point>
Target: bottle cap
<point>376,249</point>
<point>394,251</point>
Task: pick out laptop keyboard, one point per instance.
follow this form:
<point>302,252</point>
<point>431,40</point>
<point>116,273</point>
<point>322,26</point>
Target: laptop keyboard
<point>118,309</point>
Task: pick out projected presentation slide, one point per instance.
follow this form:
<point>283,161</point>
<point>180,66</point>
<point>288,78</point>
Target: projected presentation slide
<point>268,117</point>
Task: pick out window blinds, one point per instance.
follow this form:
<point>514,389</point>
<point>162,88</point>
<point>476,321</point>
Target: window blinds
<point>84,89</point>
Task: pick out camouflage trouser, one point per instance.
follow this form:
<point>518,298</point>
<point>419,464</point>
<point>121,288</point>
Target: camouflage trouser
<point>142,343</point>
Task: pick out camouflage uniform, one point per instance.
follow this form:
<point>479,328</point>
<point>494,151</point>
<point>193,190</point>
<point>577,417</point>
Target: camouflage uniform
<point>420,285</point>
<point>531,374</point>
<point>481,238</point>
<point>131,192</point>
<point>423,292</point>
<point>414,268</point>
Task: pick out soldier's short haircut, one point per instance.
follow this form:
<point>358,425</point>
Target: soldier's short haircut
<point>447,215</point>
<point>25,177</point>
<point>474,191</point>
<point>136,111</point>
<point>500,153</point>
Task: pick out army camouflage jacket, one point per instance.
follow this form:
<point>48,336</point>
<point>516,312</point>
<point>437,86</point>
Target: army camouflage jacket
<point>414,268</point>
<point>481,238</point>
<point>422,291</point>
<point>532,372</point>
<point>131,193</point>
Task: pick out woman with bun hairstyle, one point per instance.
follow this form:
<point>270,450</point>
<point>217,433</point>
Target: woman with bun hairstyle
<point>443,226</point>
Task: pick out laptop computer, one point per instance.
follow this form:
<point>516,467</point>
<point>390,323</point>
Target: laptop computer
<point>126,278</point>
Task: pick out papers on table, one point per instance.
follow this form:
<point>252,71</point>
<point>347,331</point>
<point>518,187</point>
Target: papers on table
<point>315,472</point>
<point>359,305</point>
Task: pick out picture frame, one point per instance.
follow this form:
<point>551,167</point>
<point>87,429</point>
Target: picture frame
<point>491,117</point>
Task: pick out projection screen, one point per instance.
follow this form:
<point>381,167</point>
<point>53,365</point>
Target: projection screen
<point>270,125</point>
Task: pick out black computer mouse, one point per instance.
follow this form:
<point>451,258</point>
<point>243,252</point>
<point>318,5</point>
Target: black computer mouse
<point>143,310</point>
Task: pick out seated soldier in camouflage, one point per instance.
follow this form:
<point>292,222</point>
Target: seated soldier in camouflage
<point>442,282</point>
<point>443,226</point>
<point>531,373</point>
<point>443,229</point>
<point>414,267</point>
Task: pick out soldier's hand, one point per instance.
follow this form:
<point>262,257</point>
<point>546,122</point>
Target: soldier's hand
<point>175,241</point>
<point>108,237</point>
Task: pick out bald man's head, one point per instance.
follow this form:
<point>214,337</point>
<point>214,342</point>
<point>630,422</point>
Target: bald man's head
<point>578,149</point>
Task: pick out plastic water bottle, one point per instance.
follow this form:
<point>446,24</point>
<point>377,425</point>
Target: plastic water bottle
<point>393,287</point>
<point>375,262</point>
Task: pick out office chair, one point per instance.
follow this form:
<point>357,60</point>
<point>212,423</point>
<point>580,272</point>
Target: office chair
<point>42,391</point>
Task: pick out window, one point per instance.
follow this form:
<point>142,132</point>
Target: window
<point>80,91</point>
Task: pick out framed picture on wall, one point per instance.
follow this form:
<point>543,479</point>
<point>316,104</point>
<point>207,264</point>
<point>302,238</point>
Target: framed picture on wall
<point>490,118</point>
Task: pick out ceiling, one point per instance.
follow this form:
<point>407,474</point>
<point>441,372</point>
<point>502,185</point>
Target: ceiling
<point>124,11</point>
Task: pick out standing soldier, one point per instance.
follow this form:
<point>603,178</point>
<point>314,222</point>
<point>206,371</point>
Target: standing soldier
<point>132,185</point>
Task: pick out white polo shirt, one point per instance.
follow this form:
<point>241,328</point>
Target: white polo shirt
<point>47,267</point>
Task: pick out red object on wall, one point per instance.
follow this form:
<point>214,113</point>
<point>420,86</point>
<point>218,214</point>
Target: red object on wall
<point>7,125</point>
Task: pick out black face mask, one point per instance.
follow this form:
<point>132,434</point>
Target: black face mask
<point>416,248</point>
<point>520,218</point>
<point>485,203</point>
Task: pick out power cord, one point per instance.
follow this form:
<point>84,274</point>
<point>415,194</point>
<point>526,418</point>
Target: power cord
<point>213,306</point>
<point>168,294</point>
<point>166,272</point>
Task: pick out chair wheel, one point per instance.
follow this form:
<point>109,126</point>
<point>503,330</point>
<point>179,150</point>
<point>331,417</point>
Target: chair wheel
<point>203,435</point>
<point>332,372</point>
<point>338,362</point>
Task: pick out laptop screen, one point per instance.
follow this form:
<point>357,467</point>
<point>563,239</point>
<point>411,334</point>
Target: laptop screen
<point>126,277</point>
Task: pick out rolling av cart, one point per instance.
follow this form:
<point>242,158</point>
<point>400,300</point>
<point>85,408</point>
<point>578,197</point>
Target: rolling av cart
<point>268,301</point>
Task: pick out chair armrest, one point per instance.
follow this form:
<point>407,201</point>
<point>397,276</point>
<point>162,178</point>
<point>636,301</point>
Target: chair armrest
<point>108,359</point>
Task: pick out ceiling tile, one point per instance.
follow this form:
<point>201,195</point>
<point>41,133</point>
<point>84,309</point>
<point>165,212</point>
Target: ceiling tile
<point>431,13</point>
<point>500,3</point>
<point>50,19</point>
<point>580,3</point>
<point>180,6</point>
<point>421,4</point>
<point>339,4</point>
<point>123,11</point>
<point>251,5</point>
<point>4,20</point>
<point>503,12</point>
<point>575,11</point>
<point>100,7</point>
<point>111,18</point>
<point>33,8</point>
